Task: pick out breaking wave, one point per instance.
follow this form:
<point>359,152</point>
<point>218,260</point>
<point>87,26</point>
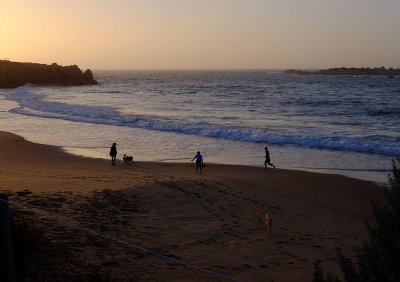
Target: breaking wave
<point>31,104</point>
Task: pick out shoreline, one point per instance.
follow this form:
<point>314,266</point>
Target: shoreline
<point>88,139</point>
<point>329,171</point>
<point>213,220</point>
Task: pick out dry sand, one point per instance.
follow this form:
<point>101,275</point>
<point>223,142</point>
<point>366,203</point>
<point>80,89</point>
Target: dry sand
<point>213,220</point>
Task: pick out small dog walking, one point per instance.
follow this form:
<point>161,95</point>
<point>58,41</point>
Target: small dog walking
<point>268,223</point>
<point>128,159</point>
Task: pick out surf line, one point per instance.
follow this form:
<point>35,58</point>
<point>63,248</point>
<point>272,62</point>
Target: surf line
<point>122,242</point>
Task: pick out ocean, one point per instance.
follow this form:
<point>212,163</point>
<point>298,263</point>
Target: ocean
<point>347,125</point>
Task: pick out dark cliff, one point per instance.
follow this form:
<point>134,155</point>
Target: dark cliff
<point>349,71</point>
<point>14,74</point>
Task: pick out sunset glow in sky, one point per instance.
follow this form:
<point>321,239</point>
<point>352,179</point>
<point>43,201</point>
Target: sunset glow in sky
<point>206,34</point>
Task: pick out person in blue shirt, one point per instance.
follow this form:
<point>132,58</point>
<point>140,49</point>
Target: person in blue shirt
<point>199,161</point>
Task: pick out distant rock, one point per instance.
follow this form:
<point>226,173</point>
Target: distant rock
<point>15,74</point>
<point>349,71</point>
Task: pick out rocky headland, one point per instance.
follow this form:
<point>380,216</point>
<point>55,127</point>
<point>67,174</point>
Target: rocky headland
<point>15,74</point>
<point>348,71</point>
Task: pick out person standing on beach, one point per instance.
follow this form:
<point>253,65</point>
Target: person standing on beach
<point>113,153</point>
<point>199,161</point>
<point>267,159</point>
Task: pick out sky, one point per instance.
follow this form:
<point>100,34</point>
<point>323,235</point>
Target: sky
<point>202,34</point>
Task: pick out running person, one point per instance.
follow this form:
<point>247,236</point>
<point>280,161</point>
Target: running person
<point>267,159</point>
<point>199,161</point>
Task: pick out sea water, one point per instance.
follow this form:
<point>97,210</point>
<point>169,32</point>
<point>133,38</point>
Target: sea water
<point>346,125</point>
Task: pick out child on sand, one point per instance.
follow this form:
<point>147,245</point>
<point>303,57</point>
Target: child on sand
<point>199,161</point>
<point>268,223</point>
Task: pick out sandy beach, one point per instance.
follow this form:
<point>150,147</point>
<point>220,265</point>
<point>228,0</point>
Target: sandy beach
<point>214,220</point>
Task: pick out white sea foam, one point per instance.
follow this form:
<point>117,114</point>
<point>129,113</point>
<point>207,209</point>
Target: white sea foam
<point>38,105</point>
<point>330,124</point>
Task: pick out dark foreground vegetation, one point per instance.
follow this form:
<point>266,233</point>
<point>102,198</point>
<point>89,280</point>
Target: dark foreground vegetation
<point>378,259</point>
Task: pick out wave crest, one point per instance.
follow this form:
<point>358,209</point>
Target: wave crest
<point>35,105</point>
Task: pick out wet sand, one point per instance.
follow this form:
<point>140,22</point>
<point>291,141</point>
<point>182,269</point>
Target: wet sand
<point>214,220</point>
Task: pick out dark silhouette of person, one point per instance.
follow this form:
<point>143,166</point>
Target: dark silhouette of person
<point>199,161</point>
<point>267,159</point>
<point>113,153</point>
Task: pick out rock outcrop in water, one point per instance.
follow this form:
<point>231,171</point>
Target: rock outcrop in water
<point>15,74</point>
<point>349,71</point>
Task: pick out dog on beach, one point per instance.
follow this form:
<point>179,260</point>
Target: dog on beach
<point>128,159</point>
<point>268,222</point>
